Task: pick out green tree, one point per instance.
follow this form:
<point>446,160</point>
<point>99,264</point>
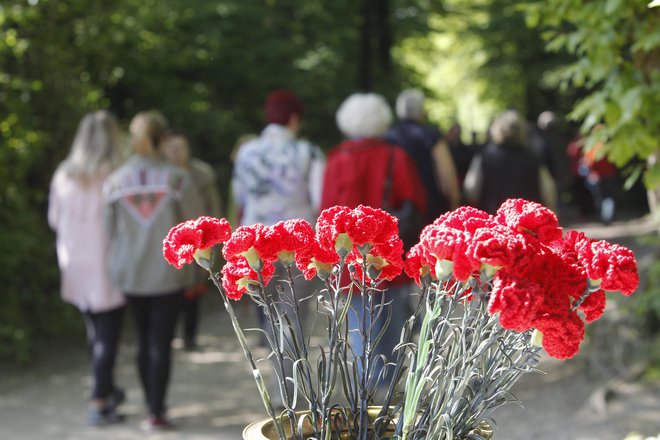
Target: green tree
<point>616,45</point>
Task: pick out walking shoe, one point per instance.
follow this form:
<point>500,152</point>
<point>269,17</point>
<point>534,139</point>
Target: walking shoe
<point>158,423</point>
<point>116,398</point>
<point>102,417</point>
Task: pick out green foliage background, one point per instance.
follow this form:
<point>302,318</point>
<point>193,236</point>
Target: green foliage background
<point>208,64</point>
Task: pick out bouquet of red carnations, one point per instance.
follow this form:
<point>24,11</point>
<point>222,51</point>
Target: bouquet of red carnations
<point>491,291</point>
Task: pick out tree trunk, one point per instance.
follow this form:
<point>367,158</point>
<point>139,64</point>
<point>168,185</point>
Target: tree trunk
<point>365,72</point>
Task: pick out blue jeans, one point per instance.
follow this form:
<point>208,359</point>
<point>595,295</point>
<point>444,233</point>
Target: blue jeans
<point>400,307</point>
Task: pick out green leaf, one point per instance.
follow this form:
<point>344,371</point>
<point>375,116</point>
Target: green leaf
<point>633,177</point>
<point>652,177</point>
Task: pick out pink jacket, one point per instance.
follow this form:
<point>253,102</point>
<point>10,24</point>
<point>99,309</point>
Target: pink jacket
<point>75,212</point>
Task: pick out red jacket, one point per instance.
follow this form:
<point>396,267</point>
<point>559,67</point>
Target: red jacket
<point>356,172</point>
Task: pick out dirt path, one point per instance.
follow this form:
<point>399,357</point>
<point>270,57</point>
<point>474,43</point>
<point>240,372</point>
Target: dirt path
<point>212,396</point>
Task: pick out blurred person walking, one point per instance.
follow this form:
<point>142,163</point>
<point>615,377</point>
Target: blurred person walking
<point>176,149</point>
<point>428,149</point>
<point>461,153</point>
<point>277,177</point>
<point>508,168</point>
<point>144,199</point>
<point>366,170</point>
<point>75,213</point>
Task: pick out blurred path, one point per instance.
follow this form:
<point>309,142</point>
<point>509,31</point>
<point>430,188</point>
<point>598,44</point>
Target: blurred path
<point>213,396</point>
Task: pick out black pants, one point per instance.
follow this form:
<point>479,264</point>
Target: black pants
<point>103,331</point>
<point>155,321</point>
<point>190,320</point>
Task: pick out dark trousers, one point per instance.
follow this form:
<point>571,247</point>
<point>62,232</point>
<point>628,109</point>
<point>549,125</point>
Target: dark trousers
<point>190,320</point>
<point>155,321</point>
<point>103,331</point>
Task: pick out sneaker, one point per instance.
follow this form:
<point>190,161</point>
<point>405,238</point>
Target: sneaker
<point>158,423</point>
<point>102,417</point>
<point>116,398</point>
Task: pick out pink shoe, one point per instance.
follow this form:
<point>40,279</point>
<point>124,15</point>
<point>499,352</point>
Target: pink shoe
<point>158,423</point>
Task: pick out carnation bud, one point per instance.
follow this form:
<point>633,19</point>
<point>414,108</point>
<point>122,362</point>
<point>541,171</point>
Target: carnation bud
<point>343,245</point>
<point>593,285</point>
<point>537,338</point>
<point>323,270</point>
<point>252,257</point>
<point>488,271</point>
<point>443,269</point>
<point>286,258</point>
<point>364,249</point>
<point>203,257</point>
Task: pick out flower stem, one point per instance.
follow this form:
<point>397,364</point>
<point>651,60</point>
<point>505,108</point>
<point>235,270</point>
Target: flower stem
<point>261,385</point>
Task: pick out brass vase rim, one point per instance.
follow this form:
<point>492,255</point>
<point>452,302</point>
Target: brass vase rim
<point>259,430</point>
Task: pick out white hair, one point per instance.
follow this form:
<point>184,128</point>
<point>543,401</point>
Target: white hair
<point>410,104</point>
<point>508,127</point>
<point>95,148</point>
<point>364,115</point>
<point>546,120</point>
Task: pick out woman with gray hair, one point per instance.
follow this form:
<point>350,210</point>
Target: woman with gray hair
<point>359,171</point>
<point>75,208</point>
<point>508,168</point>
<point>430,152</point>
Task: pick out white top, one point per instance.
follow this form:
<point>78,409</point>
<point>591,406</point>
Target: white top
<point>75,212</point>
<point>278,177</point>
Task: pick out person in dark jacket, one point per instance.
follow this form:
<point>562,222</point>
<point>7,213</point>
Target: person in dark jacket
<point>508,168</point>
<point>429,151</point>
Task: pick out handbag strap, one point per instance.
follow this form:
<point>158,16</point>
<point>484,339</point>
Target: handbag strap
<point>387,186</point>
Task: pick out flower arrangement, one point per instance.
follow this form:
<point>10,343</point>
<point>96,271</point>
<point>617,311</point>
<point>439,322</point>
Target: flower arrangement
<point>493,290</point>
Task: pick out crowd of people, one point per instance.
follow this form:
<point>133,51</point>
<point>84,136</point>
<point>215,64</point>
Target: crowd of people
<point>111,213</point>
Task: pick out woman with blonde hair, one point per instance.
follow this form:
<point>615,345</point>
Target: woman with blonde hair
<point>75,212</point>
<point>145,198</point>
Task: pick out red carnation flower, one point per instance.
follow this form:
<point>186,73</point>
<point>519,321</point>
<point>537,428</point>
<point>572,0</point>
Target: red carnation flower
<point>295,234</point>
<point>237,275</point>
<point>561,335</point>
<point>529,218</point>
<point>419,262</point>
<point>622,274</point>
<point>497,246</point>
<point>185,239</point>
<point>516,300</point>
<point>385,258</point>
<point>269,241</point>
<point>465,218</point>
<point>181,243</point>
<point>214,231</point>
<point>593,306</point>
<point>445,243</point>
<point>362,225</point>
<point>330,224</point>
<point>314,259</point>
<point>241,240</point>
<point>371,225</point>
<point>614,265</point>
